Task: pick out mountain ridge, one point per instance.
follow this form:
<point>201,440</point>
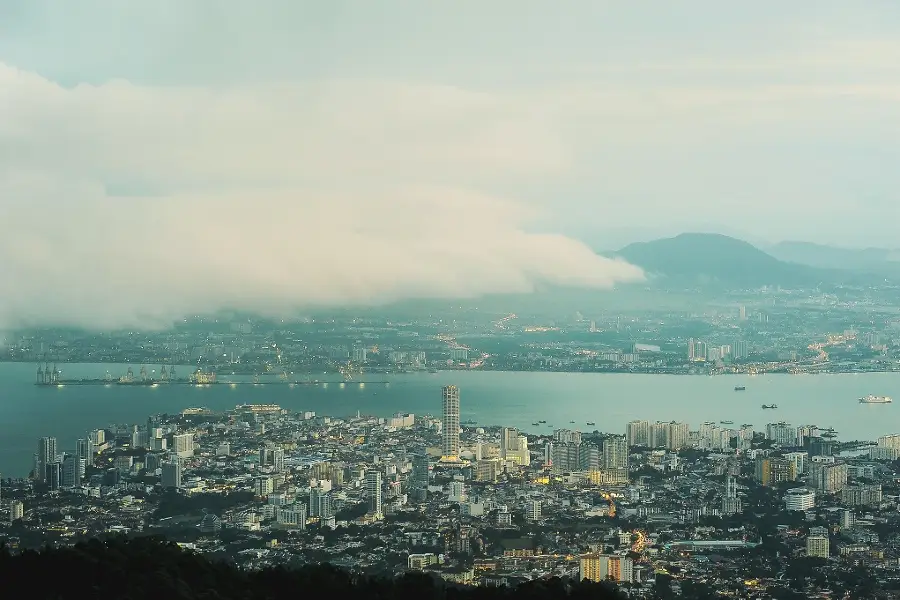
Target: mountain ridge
<point>716,259</point>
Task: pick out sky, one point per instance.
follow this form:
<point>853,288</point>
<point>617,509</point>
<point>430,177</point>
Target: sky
<point>161,159</point>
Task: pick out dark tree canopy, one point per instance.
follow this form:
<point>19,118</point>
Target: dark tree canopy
<point>145,568</point>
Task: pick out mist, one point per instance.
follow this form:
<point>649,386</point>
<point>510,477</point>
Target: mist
<point>128,206</point>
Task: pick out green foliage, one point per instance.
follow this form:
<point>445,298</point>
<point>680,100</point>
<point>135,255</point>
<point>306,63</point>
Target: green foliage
<point>145,568</point>
<point>174,504</point>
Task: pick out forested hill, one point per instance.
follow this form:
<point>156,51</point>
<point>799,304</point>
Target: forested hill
<point>148,568</point>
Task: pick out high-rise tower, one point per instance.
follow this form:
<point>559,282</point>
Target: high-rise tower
<point>373,491</point>
<point>450,428</point>
<point>46,455</point>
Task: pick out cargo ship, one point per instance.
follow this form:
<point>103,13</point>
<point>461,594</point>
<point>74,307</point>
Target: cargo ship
<point>870,399</point>
<point>770,406</point>
<point>739,388</point>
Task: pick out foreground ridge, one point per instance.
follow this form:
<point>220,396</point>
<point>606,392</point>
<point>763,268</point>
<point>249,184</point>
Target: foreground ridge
<point>152,567</point>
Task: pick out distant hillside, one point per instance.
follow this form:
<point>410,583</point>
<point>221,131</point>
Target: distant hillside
<point>874,260</point>
<point>706,258</point>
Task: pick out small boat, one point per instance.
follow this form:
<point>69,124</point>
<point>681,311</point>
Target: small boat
<point>535,424</point>
<point>746,424</point>
<point>770,406</point>
<point>542,421</point>
<point>870,399</point>
<point>571,421</point>
<point>740,388</point>
<point>591,423</point>
<point>726,422</point>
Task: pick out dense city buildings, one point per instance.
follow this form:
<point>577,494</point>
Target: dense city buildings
<point>264,485</point>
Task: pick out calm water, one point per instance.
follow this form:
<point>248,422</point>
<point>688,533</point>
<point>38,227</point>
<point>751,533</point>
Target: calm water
<point>28,412</point>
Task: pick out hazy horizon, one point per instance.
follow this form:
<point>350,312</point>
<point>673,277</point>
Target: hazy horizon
<point>183,157</point>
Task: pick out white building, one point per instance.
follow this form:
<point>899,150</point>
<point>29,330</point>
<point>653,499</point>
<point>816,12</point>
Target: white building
<point>183,445</point>
<point>800,499</point>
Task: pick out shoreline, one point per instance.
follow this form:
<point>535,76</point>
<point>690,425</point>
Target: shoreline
<point>433,371</point>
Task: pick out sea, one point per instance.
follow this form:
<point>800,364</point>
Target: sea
<point>514,399</point>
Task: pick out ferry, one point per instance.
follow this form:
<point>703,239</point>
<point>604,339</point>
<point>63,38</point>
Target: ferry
<point>870,399</point>
<point>770,406</point>
<point>740,388</point>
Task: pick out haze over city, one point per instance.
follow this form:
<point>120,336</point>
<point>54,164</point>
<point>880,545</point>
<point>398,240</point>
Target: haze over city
<point>288,154</point>
<point>585,300</point>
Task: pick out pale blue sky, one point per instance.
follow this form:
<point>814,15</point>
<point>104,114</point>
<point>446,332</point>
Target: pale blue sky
<point>603,120</point>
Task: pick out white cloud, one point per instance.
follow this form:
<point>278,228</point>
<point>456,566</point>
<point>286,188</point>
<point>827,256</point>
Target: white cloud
<point>269,197</point>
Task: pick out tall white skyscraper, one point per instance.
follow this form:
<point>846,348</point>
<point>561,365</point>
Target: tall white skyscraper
<point>373,491</point>
<point>450,425</point>
<point>46,455</point>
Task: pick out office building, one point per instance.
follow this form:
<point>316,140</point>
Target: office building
<point>603,567</point>
<point>569,457</point>
<point>53,475</point>
<point>418,477</point>
<point>264,485</point>
<point>615,453</point>
<point>457,491</point>
<point>183,445</point>
<point>292,515</point>
<point>799,461</point>
<point>487,470</point>
<point>46,455</point>
<point>278,460</point>
<point>402,420</point>
<point>73,472</point>
<point>861,495</point>
<point>509,441</point>
<point>675,435</point>
<point>567,436</point>
<point>637,433</point>
<point>171,474</point>
<point>800,499</point>
<point>818,546</point>
<point>782,434</point>
<point>828,478</point>
<point>770,471</point>
<point>731,503</point>
<point>848,519</point>
<point>83,449</point>
<point>16,511</point>
<point>374,492</point>
<point>320,503</point>
<point>450,423</point>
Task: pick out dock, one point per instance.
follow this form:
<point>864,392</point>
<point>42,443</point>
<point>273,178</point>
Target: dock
<point>154,384</point>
